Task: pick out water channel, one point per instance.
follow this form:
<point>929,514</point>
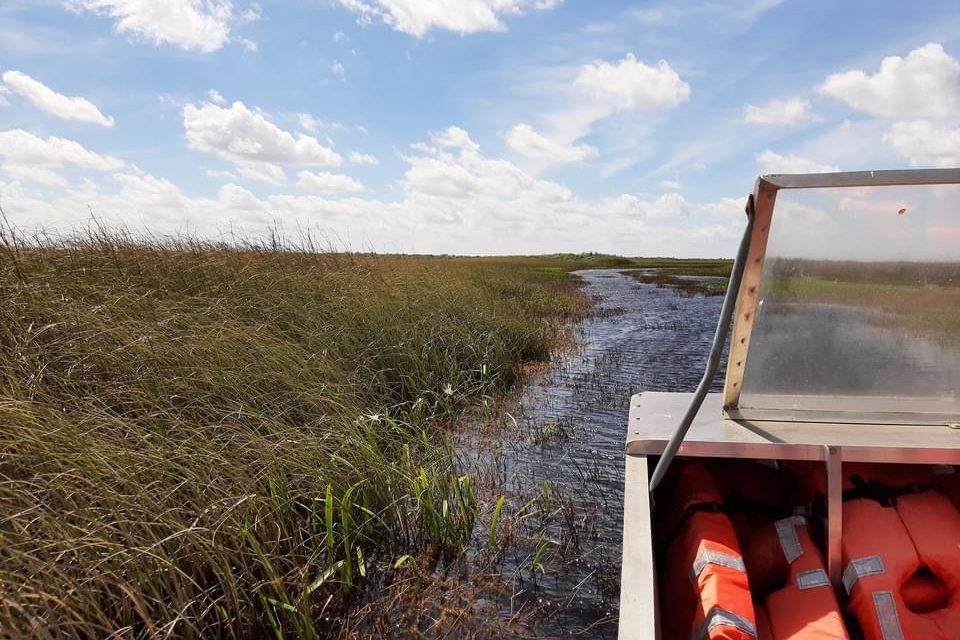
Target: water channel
<point>573,417</point>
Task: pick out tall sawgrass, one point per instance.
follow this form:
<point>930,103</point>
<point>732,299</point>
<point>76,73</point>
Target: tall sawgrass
<point>202,439</point>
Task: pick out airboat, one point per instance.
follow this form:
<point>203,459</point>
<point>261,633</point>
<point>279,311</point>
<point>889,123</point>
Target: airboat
<point>817,496</point>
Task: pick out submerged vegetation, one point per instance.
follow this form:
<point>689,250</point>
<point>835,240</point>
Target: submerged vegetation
<point>201,439</point>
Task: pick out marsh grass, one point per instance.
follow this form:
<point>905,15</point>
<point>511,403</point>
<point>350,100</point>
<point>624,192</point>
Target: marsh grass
<point>676,274</point>
<point>236,440</point>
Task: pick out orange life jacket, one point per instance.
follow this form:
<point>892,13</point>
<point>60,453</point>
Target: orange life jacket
<point>812,478</point>
<point>705,593</point>
<point>902,567</point>
<point>717,563</point>
<point>805,608</point>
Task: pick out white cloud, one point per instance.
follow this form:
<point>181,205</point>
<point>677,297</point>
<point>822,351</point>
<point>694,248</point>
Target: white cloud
<point>523,139</point>
<point>250,14</point>
<point>253,143</point>
<point>771,162</point>
<point>851,144</point>
<point>338,70</point>
<point>216,97</point>
<point>665,207</point>
<point>925,144</point>
<point>327,183</point>
<point>672,185</point>
<point>452,198</point>
<point>457,138</point>
<point>149,191</point>
<point>219,174</point>
<point>780,112</point>
<point>632,85</point>
<point>363,158</point>
<point>308,123</point>
<point>458,174</point>
<point>573,100</point>
<point>722,12</point>
<point>261,172</point>
<point>56,104</point>
<point>193,25</point>
<point>25,149</point>
<point>417,17</point>
<point>34,173</point>
<point>925,84</point>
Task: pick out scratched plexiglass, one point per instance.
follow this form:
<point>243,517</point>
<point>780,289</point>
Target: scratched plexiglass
<point>859,304</point>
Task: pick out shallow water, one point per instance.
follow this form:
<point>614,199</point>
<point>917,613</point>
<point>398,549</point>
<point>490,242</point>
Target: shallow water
<point>642,338</point>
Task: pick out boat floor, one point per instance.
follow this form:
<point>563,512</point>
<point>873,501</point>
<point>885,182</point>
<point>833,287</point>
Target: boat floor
<point>655,416</point>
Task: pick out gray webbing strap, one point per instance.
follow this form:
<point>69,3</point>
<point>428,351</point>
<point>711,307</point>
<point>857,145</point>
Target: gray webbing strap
<point>861,568</point>
<point>720,617</point>
<point>718,558</point>
<point>812,579</point>
<point>789,542</point>
<point>887,617</point>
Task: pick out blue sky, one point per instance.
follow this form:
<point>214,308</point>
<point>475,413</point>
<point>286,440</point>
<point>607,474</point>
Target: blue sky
<point>460,126</point>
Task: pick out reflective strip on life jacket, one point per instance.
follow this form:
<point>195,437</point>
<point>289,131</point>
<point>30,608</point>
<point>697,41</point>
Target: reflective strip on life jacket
<point>812,579</point>
<point>861,568</point>
<point>806,606</point>
<point>787,533</point>
<point>889,548</point>
<point>704,578</point>
<point>721,618</point>
<point>886,610</point>
<point>718,558</point>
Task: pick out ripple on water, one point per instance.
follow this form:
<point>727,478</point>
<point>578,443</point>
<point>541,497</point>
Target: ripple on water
<point>642,338</point>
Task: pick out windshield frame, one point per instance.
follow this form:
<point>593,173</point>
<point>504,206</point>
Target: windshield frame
<point>764,204</point>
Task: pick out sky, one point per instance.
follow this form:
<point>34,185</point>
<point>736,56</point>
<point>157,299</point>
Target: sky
<point>459,126</point>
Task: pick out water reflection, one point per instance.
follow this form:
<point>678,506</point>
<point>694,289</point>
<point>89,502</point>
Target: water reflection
<point>643,338</point>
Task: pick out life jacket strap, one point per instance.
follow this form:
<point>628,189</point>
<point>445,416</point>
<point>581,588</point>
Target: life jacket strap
<point>721,617</point>
<point>718,558</point>
<point>887,617</point>
<point>861,568</point>
<point>812,579</point>
<point>787,533</point>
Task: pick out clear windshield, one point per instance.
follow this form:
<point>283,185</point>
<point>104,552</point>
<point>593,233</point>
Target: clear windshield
<point>859,302</point>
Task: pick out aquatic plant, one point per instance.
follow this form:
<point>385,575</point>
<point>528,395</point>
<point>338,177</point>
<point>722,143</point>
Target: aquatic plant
<point>238,439</point>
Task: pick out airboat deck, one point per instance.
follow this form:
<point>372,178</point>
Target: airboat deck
<point>844,350</point>
<point>653,419</point>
